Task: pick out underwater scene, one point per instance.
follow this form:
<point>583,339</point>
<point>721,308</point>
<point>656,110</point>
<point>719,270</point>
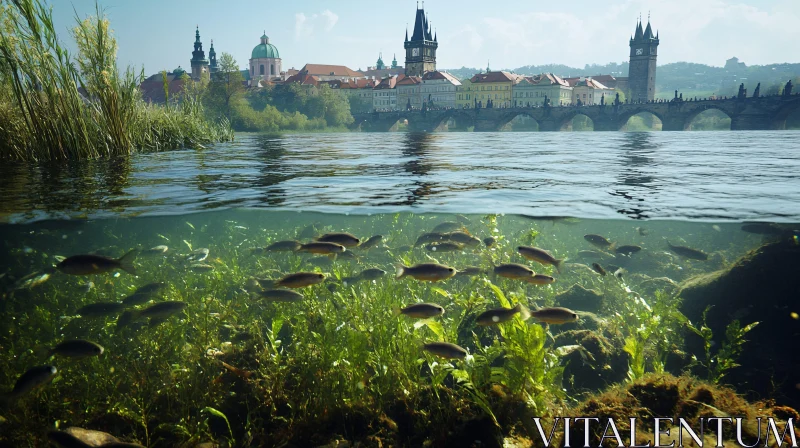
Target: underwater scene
<point>247,327</point>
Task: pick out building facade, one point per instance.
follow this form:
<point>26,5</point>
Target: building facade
<point>265,62</point>
<point>642,68</point>
<point>409,93</point>
<point>588,92</point>
<point>493,88</point>
<point>439,89</point>
<point>421,48</point>
<point>325,72</point>
<point>465,97</point>
<point>384,95</point>
<point>199,62</point>
<point>533,90</point>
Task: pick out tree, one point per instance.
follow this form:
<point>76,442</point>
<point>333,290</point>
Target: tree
<point>226,86</point>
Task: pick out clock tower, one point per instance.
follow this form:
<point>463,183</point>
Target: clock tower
<point>642,68</point>
<point>421,48</point>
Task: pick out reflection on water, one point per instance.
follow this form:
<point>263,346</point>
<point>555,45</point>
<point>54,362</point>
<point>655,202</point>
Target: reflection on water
<point>635,181</point>
<point>721,175</point>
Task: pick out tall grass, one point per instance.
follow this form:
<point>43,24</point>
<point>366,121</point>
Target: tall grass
<point>55,105</point>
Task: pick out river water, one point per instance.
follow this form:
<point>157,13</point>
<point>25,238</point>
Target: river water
<point>676,175</point>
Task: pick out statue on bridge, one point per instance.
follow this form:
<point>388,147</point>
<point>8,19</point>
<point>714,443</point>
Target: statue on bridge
<point>546,101</point>
<point>757,92</point>
<point>617,102</point>
<point>603,99</point>
<point>788,89</point>
<point>742,91</point>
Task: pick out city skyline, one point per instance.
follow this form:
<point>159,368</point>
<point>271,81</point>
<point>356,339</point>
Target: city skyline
<point>317,32</point>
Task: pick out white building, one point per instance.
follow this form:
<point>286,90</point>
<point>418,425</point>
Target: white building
<point>265,62</point>
<point>409,93</point>
<point>587,91</point>
<point>531,91</point>
<point>439,89</point>
<point>384,95</point>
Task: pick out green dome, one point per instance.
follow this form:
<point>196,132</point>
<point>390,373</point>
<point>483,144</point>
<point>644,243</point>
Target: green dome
<point>265,49</point>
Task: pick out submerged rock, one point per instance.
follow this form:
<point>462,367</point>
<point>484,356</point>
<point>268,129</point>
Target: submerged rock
<point>601,361</point>
<point>761,286</point>
<point>579,298</point>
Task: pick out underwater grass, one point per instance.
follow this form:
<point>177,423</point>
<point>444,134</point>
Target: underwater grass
<point>61,106</point>
<point>318,366</point>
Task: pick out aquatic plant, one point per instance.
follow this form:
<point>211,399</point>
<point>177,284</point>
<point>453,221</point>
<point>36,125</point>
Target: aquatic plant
<point>63,106</point>
<point>717,364</point>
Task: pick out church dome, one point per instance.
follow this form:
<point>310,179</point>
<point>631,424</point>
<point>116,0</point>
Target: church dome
<point>265,49</point>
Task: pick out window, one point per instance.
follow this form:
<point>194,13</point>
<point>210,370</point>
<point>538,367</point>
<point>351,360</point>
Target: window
<point>272,69</point>
<point>261,69</point>
<point>251,70</point>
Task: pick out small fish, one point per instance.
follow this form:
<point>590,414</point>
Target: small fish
<point>540,255</point>
<point>540,279</point>
<point>154,251</point>
<point>444,247</point>
<point>32,280</point>
<point>96,264</point>
<point>300,279</point>
<point>283,246</point>
<point>201,267</point>
<point>470,271</point>
<point>151,288</point>
<point>34,378</point>
<point>197,255</point>
<point>628,249</point>
<point>405,248</point>
<point>77,348</point>
<point>599,269</point>
<point>322,248</point>
<point>371,242</point>
<point>421,310</point>
<point>513,271</point>
<point>348,255</point>
<point>236,371</point>
<point>598,241</point>
<point>688,252</point>
<point>344,239</point>
<point>445,350</point>
<point>65,439</point>
<point>307,232</point>
<point>320,261</point>
<point>431,272</point>
<point>136,299</point>
<point>101,309</point>
<point>448,226</point>
<point>372,274</point>
<point>426,238</point>
<point>162,309</point>
<point>279,295</point>
<point>463,238</point>
<point>642,231</point>
<point>555,315</point>
<point>489,242</point>
<point>500,315</point>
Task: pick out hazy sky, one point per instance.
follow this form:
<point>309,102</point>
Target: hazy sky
<point>159,33</point>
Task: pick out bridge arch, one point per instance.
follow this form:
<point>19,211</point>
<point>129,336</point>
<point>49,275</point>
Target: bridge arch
<point>649,120</point>
<point>584,122</point>
<point>708,118</point>
<point>524,121</point>
<point>790,108</point>
<point>461,119</point>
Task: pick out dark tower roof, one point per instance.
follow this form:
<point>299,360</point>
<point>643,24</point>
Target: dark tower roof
<point>198,55</point>
<point>406,33</point>
<point>639,32</point>
<point>648,33</point>
<point>422,29</point>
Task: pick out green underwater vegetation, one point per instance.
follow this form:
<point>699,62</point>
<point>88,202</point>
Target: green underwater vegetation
<point>239,368</point>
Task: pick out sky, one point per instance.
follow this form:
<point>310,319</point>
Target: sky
<point>159,34</point>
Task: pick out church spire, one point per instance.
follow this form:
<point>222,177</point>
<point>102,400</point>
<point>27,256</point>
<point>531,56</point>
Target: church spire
<point>639,32</point>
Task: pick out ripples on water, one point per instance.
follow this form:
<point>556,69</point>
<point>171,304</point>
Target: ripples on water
<point>683,175</point>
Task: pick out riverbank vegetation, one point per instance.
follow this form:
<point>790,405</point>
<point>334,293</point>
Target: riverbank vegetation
<point>56,105</point>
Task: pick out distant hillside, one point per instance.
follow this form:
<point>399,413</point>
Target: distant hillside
<point>689,78</point>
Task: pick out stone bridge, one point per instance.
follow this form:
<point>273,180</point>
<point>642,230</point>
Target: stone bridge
<point>754,113</point>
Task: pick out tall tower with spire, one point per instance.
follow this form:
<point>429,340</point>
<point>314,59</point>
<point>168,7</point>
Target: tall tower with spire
<point>199,62</point>
<point>421,48</point>
<point>212,59</point>
<point>642,68</point>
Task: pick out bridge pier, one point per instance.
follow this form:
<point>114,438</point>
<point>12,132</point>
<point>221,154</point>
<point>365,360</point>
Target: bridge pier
<point>674,124</point>
<point>752,123</point>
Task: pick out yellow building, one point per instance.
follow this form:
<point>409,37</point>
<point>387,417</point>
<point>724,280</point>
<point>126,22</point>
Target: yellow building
<point>494,86</point>
<point>465,96</point>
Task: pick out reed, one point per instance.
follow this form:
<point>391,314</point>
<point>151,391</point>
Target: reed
<point>56,105</point>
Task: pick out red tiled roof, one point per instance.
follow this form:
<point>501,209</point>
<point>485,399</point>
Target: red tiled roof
<point>387,83</point>
<point>153,88</point>
<point>303,79</point>
<point>494,77</point>
<point>441,75</point>
<point>409,80</point>
<point>547,78</point>
<point>330,70</point>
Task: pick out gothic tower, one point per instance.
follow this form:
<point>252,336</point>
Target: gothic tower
<point>212,58</point>
<point>642,69</point>
<point>421,49</point>
<point>199,61</point>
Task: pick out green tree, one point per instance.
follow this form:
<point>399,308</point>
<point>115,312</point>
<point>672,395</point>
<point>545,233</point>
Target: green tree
<point>225,87</point>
